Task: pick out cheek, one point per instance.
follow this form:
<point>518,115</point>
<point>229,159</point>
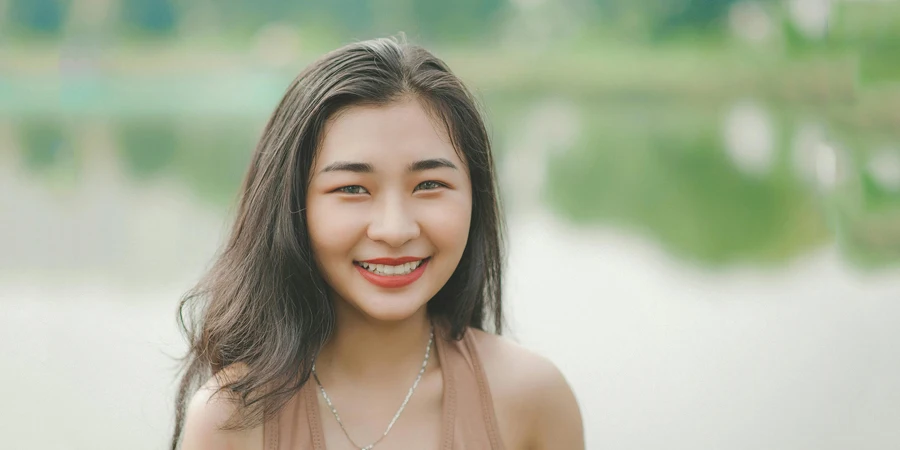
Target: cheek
<point>448,224</point>
<point>333,230</point>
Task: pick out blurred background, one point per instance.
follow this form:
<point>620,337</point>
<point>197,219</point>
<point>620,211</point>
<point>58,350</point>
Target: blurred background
<point>703,199</point>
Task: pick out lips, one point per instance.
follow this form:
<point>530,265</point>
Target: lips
<point>392,272</point>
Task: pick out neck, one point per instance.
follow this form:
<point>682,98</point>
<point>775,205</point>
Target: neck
<point>363,348</point>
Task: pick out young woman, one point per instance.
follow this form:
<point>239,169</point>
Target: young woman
<point>349,306</point>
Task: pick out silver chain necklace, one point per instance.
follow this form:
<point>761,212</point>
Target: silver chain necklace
<point>399,411</point>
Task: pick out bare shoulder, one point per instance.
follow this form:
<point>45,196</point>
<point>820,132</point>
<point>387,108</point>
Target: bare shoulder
<point>208,410</point>
<point>535,406</point>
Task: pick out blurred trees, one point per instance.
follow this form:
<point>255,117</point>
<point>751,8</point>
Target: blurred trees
<point>661,19</point>
<point>470,21</point>
<point>152,16</point>
<point>423,19</point>
<point>652,156</point>
<point>42,17</point>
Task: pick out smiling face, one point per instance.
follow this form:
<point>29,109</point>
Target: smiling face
<point>388,208</point>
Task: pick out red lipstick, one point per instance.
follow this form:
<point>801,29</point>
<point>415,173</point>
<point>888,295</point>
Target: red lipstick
<point>392,281</point>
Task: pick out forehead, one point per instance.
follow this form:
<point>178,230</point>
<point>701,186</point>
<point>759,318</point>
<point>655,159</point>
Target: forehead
<point>388,135</point>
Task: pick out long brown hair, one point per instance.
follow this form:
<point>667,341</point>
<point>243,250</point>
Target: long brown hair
<point>264,303</point>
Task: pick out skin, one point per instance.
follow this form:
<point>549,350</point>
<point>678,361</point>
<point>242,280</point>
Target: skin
<point>389,210</point>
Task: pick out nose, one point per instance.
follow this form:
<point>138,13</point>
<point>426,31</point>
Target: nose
<point>392,224</point>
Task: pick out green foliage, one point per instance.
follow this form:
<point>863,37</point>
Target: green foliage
<point>43,144</point>
<point>149,16</point>
<point>650,158</point>
<point>246,16</point>
<point>864,212</point>
<point>672,180</point>
<point>873,31</point>
<point>41,17</point>
<point>47,153</point>
<point>213,157</point>
<point>462,20</point>
<point>879,63</point>
<point>358,19</point>
<point>697,14</point>
<point>147,147</point>
<point>663,19</point>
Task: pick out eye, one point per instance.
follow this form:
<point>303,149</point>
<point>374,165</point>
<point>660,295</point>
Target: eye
<point>353,190</point>
<point>430,185</point>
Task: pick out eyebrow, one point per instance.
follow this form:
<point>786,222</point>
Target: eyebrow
<point>345,166</point>
<point>429,164</point>
<point>418,166</point>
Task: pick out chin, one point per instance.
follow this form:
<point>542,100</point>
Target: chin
<point>391,307</point>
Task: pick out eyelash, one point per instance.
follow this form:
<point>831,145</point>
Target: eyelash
<point>437,184</point>
<point>345,189</point>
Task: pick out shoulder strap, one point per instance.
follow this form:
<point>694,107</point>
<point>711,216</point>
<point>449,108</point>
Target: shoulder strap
<point>270,434</point>
<point>281,432</point>
<point>484,391</point>
<point>472,423</point>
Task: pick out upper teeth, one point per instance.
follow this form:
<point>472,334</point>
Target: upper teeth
<point>384,269</point>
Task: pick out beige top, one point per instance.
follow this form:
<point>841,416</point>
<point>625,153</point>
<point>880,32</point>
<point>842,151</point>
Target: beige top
<point>467,408</point>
